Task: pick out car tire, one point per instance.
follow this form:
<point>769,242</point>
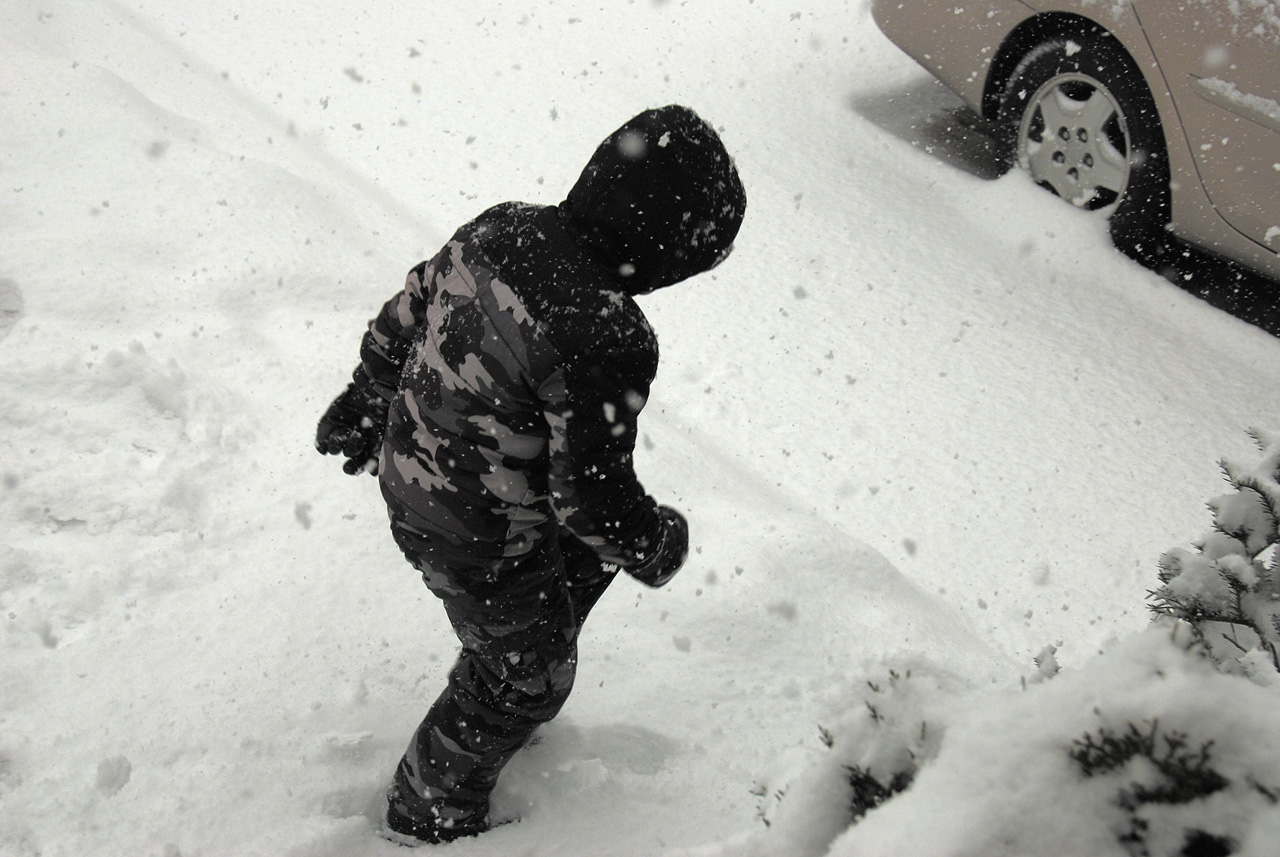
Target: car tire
<point>1078,116</point>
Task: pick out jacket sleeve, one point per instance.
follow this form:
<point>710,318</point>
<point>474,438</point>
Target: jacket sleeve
<point>591,404</point>
<point>390,336</point>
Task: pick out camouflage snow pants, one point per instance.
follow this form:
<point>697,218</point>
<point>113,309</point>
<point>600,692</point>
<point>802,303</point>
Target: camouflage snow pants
<point>519,630</point>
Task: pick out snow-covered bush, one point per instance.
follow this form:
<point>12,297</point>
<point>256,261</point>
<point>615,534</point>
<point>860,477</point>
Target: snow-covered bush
<point>863,759</point>
<point>1227,589</point>
<point>1163,745</point>
<point>1163,771</point>
<point>1147,750</point>
<point>888,764</point>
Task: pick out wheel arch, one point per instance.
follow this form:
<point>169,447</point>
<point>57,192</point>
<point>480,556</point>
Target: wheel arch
<point>1120,41</point>
<point>1026,37</point>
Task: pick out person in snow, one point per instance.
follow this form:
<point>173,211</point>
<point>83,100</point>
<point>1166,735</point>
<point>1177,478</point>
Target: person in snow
<point>496,400</point>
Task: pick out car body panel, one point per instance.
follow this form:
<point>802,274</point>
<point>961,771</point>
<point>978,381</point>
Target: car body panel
<point>956,42</point>
<point>1224,84</point>
<point>1221,66</point>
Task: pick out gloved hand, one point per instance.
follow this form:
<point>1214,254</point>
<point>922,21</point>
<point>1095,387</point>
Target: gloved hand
<point>353,426</point>
<point>670,553</point>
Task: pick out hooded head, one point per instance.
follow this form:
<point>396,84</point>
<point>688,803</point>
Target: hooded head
<point>659,201</point>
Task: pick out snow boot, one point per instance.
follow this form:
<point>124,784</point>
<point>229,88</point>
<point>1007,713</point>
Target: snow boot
<point>412,820</point>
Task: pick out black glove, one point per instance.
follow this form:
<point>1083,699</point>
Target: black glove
<point>353,426</point>
<point>670,553</point>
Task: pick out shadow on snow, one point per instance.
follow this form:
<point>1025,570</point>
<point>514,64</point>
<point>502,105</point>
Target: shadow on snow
<point>927,115</point>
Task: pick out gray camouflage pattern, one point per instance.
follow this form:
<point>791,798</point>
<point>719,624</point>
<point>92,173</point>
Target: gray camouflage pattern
<point>489,419</point>
<point>493,464</point>
<point>514,365</point>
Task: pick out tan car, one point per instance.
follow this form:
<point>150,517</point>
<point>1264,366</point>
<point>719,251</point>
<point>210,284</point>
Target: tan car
<point>1158,112</point>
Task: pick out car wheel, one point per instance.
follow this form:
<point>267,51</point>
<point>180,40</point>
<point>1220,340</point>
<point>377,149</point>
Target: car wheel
<point>1078,116</point>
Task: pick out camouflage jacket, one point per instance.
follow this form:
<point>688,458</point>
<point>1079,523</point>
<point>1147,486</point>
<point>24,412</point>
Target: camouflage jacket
<point>513,399</point>
<point>516,361</point>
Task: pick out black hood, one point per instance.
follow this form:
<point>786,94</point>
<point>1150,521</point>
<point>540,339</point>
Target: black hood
<point>659,201</point>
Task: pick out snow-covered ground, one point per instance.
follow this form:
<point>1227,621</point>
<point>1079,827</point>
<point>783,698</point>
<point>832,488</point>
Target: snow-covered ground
<point>922,421</point>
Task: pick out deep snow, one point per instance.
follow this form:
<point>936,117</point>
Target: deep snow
<point>920,420</point>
